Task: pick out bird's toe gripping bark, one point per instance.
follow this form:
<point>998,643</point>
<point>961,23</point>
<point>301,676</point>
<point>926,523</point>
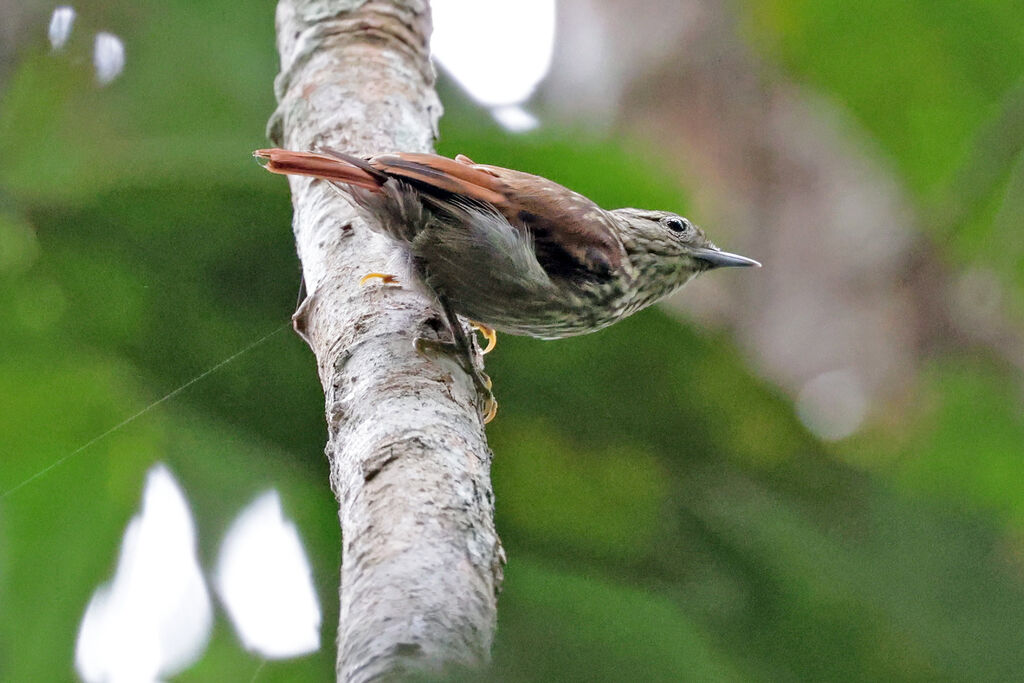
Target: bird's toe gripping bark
<point>385,278</point>
<point>490,408</point>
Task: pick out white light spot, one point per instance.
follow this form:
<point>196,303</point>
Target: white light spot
<point>266,584</point>
<point>498,50</point>
<point>515,119</point>
<point>153,619</point>
<point>108,57</point>
<point>832,405</point>
<point>61,22</point>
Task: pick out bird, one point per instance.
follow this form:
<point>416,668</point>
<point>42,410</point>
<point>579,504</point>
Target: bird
<point>510,251</point>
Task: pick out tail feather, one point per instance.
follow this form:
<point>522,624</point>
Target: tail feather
<point>336,167</point>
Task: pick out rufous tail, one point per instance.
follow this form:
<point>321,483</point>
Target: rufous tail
<point>317,165</point>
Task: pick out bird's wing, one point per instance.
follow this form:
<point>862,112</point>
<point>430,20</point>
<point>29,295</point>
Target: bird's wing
<point>572,235</point>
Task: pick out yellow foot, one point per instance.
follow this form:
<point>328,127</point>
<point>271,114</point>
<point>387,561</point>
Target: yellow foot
<point>490,409</point>
<point>489,334</point>
<point>384,277</point>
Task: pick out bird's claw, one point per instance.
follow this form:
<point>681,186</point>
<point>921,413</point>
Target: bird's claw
<point>490,408</point>
<point>385,278</point>
<point>489,334</point>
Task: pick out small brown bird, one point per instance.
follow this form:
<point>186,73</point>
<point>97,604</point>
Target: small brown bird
<point>509,250</point>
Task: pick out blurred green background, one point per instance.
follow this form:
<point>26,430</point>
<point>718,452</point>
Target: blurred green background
<point>657,526</point>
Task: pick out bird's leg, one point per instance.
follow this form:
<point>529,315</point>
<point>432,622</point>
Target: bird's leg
<point>489,334</point>
<point>462,349</point>
<point>386,278</point>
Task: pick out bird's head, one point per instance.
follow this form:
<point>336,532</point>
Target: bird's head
<point>667,250</point>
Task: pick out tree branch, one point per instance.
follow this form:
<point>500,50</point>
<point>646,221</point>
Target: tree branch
<point>409,460</point>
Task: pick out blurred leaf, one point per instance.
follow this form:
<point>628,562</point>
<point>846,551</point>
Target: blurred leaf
<point>921,75</point>
<point>554,622</point>
<point>600,502</point>
<point>970,441</point>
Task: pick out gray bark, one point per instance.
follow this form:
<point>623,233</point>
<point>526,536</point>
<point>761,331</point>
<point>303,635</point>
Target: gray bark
<point>410,465</point>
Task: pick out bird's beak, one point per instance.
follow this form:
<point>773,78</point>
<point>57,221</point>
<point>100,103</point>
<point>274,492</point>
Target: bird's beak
<point>716,258</point>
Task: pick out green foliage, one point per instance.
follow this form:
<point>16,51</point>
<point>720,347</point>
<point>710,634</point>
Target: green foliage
<point>557,621</point>
<point>937,85</point>
<point>665,515</point>
<point>922,75</point>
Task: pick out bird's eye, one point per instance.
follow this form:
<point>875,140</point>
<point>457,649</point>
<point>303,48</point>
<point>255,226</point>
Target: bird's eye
<point>678,225</point>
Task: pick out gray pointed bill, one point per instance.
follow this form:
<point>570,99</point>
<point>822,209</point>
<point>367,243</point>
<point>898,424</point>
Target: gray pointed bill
<point>716,258</point>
